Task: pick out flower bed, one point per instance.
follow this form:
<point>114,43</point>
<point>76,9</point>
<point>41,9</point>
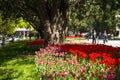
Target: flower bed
<point>36,42</point>
<point>73,61</point>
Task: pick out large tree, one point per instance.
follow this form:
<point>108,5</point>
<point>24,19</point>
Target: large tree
<point>49,17</point>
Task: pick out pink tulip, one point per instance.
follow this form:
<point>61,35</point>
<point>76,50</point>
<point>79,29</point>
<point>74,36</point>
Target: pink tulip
<point>83,78</point>
<point>39,62</point>
<point>37,53</point>
<point>111,76</point>
<point>74,74</point>
<point>92,74</point>
<point>112,71</point>
<point>98,68</point>
<point>56,54</point>
<point>64,74</point>
<point>50,77</point>
<point>107,70</point>
<point>83,70</point>
<point>105,76</point>
<point>45,75</point>
<point>100,76</point>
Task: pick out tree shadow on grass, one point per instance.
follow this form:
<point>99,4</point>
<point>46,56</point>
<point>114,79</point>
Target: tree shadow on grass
<point>7,74</point>
<point>17,61</point>
<point>16,50</point>
<point>20,69</point>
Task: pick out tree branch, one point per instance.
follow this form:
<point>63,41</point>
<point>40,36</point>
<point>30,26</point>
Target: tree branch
<point>42,12</point>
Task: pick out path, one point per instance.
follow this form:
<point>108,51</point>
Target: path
<point>8,41</point>
<point>114,43</point>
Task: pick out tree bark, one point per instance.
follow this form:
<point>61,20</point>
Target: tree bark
<point>54,20</point>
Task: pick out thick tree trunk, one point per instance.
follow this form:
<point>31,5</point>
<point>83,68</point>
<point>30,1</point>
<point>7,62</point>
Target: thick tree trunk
<point>56,31</point>
<point>54,19</point>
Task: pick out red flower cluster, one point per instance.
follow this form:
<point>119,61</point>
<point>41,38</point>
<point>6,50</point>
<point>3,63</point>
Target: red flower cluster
<point>107,54</point>
<point>36,42</point>
<point>82,55</point>
<point>75,37</point>
<point>93,48</point>
<point>94,56</point>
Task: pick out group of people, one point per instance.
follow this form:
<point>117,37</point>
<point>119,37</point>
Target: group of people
<point>95,36</point>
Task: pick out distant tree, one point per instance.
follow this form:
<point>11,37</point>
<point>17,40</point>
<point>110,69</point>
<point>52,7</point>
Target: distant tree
<point>102,14</point>
<point>7,26</point>
<point>96,14</point>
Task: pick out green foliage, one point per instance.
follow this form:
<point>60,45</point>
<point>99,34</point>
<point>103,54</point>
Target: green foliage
<point>73,21</point>
<point>8,26</point>
<point>20,22</point>
<point>96,14</point>
<point>17,61</point>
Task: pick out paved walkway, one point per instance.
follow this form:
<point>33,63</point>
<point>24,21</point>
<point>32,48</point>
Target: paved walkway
<point>114,43</point>
<point>7,41</point>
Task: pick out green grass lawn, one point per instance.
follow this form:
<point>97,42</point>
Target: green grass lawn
<point>17,61</point>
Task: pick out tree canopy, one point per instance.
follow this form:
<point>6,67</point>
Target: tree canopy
<point>50,17</point>
<point>8,25</point>
<point>97,14</point>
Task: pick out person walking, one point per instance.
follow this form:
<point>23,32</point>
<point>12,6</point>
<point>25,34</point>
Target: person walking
<point>3,40</point>
<point>88,36</point>
<point>105,37</point>
<point>99,36</point>
<point>94,37</point>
